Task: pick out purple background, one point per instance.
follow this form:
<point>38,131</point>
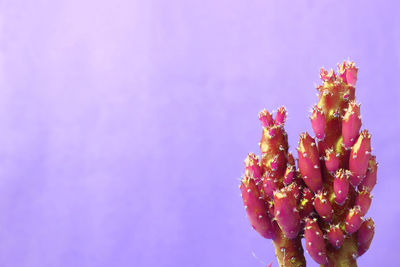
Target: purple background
<point>124,124</point>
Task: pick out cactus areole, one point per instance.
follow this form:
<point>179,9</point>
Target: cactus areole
<point>327,196</point>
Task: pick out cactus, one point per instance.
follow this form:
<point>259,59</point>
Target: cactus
<point>326,198</point>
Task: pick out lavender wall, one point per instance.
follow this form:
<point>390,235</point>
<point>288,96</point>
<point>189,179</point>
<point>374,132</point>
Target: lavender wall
<point>124,124</point>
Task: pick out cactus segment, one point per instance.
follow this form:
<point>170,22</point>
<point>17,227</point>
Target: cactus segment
<point>363,200</point>
<point>369,181</point>
<point>332,160</point>
<point>280,116</point>
<point>309,163</point>
<point>252,167</point>
<point>353,220</point>
<point>274,149</point>
<point>270,184</point>
<point>315,243</point>
<point>286,213</point>
<point>348,73</point>
<point>327,76</point>
<point>359,157</point>
<point>323,207</point>
<point>266,118</point>
<point>341,186</point>
<point>365,235</point>
<point>351,124</point>
<point>256,208</point>
<point>335,236</point>
<point>318,122</point>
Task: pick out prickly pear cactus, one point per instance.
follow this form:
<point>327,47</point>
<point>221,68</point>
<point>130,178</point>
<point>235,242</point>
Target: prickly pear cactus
<point>327,196</point>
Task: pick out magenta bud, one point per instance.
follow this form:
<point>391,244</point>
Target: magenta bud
<point>369,181</point>
<point>289,174</point>
<point>359,157</point>
<point>306,206</point>
<point>327,76</point>
<point>351,124</point>
<point>256,208</point>
<point>286,213</point>
<point>309,164</point>
<point>266,118</point>
<point>335,236</point>
<point>252,167</point>
<point>341,186</point>
<point>331,160</point>
<point>315,243</point>
<point>365,235</point>
<point>323,207</point>
<point>353,220</point>
<point>269,185</point>
<point>318,122</point>
<point>348,72</point>
<point>364,200</point>
<point>280,116</point>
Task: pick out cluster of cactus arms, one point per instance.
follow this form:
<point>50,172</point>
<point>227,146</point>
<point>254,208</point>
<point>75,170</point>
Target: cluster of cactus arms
<point>327,196</point>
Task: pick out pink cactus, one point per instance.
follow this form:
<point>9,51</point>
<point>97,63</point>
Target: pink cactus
<point>326,198</point>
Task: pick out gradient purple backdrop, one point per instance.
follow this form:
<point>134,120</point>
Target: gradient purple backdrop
<point>124,124</point>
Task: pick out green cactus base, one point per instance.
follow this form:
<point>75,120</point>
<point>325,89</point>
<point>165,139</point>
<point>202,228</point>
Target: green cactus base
<point>345,256</point>
<point>289,252</point>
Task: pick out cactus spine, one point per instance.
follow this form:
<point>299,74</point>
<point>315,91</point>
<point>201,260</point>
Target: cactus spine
<point>326,198</point>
